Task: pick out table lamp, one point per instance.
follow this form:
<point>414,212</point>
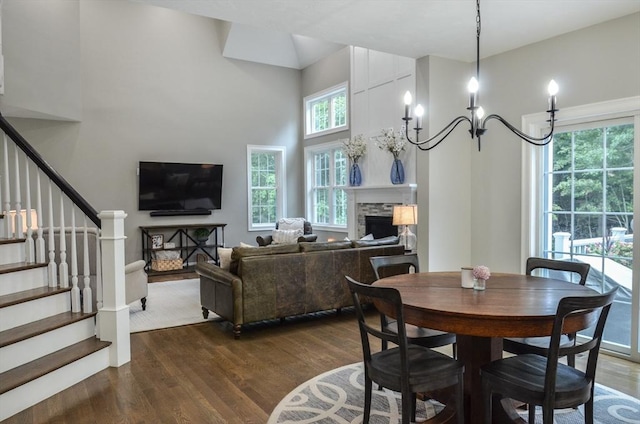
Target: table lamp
<point>406,215</point>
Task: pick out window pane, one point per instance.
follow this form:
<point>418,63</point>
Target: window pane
<point>589,149</point>
<point>619,146</point>
<point>562,152</point>
<point>620,191</point>
<point>588,191</point>
<point>340,168</point>
<point>340,207</point>
<point>562,189</point>
<point>322,205</point>
<point>587,226</point>
<point>340,109</point>
<point>320,116</point>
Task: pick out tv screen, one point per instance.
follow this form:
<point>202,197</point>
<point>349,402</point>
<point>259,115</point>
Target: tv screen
<point>166,186</point>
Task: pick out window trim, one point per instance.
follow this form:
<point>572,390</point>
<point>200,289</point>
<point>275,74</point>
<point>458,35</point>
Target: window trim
<point>309,153</point>
<point>306,112</point>
<point>281,194</point>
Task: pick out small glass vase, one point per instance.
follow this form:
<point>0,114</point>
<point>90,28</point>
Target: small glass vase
<point>355,176</point>
<point>397,172</point>
<point>479,284</point>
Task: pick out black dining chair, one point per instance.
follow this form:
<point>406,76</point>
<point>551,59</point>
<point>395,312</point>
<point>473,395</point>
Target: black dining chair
<point>542,380</point>
<point>540,345</point>
<point>387,266</point>
<point>406,368</point>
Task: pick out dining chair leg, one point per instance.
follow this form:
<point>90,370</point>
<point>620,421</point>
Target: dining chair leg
<point>571,360</point>
<point>547,414</point>
<point>532,413</point>
<point>454,347</point>
<point>588,411</point>
<point>413,407</point>
<point>487,396</point>
<point>406,405</point>
<point>368,387</point>
<point>459,398</point>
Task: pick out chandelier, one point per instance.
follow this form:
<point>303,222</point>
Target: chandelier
<point>477,120</point>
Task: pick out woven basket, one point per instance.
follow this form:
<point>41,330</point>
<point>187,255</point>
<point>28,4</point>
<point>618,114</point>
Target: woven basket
<point>166,264</point>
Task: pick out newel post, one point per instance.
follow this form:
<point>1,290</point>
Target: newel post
<point>113,319</point>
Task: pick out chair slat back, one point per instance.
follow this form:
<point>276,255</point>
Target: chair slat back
<point>386,266</point>
<point>383,296</point>
<point>598,305</point>
<point>582,269</point>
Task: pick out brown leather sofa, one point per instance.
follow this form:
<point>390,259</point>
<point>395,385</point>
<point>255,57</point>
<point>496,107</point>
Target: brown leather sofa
<point>278,281</point>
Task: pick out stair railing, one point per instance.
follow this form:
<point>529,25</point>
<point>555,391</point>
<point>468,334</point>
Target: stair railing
<point>45,230</point>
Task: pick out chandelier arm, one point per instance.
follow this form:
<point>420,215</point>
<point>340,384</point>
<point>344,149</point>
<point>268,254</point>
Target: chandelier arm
<point>537,141</point>
<point>439,137</point>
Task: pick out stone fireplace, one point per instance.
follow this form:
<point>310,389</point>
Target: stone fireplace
<point>375,201</point>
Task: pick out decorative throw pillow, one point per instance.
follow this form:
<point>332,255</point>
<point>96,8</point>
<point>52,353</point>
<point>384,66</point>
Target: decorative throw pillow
<point>246,245</point>
<point>367,237</point>
<point>224,254</point>
<point>286,236</point>
<point>291,224</point>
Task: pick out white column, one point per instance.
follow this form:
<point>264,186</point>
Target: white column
<point>114,314</point>
<point>562,244</point>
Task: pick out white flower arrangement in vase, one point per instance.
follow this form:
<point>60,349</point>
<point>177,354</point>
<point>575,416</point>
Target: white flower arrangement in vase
<point>391,141</point>
<point>355,147</point>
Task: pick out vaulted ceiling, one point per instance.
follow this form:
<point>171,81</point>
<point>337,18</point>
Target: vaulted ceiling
<point>296,33</point>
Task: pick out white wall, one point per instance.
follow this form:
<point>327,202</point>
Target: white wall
<point>591,65</point>
<point>41,48</point>
<point>156,87</point>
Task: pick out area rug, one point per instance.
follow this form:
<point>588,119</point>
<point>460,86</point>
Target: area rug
<point>169,304</point>
<point>337,396</point>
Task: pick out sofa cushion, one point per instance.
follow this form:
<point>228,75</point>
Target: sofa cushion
<point>377,242</point>
<point>275,249</point>
<point>330,245</point>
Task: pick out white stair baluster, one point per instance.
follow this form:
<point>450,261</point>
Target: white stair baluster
<point>7,197</point>
<point>30,245</point>
<point>40,247</point>
<point>17,229</point>
<point>75,291</point>
<point>64,268</point>
<point>53,269</point>
<point>87,299</point>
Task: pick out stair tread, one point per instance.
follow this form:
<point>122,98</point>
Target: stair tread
<point>32,294</point>
<point>20,266</point>
<point>35,328</point>
<point>33,370</point>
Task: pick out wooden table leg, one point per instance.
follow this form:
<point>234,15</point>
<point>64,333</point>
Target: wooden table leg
<point>475,352</point>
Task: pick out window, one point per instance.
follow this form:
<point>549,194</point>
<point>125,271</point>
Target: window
<point>327,176</point>
<point>581,205</point>
<point>266,176</point>
<point>326,111</point>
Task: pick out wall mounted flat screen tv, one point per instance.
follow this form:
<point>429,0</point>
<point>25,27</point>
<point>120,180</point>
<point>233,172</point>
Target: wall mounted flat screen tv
<point>167,186</point>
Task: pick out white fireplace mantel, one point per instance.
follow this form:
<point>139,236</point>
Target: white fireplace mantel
<point>401,193</point>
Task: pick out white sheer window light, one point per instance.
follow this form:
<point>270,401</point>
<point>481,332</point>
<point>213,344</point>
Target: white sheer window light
<point>266,190</point>
<point>327,111</point>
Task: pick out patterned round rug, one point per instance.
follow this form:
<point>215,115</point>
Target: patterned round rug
<point>337,396</point>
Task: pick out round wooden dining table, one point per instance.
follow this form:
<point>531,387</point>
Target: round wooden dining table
<point>512,305</point>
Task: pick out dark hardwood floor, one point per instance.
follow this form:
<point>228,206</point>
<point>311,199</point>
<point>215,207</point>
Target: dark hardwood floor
<point>200,374</point>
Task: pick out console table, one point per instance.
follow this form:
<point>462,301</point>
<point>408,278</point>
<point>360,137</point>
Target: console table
<point>184,242</point>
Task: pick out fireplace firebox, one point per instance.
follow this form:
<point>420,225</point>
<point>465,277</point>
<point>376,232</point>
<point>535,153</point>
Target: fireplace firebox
<point>380,226</point>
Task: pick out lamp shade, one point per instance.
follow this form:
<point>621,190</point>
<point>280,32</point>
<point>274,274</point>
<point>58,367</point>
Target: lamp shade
<point>405,215</point>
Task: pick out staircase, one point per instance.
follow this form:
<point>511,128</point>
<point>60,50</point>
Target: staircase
<point>44,347</point>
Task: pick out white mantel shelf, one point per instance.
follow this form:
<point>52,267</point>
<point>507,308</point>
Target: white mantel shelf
<point>400,193</point>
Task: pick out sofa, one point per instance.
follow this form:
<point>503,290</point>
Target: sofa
<point>278,281</point>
